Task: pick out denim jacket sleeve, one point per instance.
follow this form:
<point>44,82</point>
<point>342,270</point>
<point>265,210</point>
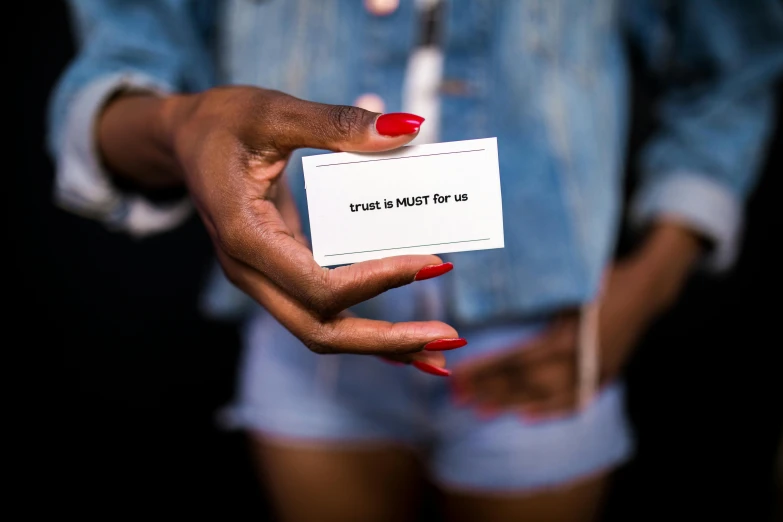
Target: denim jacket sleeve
<point>155,45</point>
<point>720,64</point>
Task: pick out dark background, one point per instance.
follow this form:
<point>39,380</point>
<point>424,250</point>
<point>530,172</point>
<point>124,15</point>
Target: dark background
<point>123,376</point>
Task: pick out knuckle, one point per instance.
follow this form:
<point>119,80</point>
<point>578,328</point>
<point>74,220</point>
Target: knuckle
<point>323,296</point>
<point>545,382</point>
<point>321,339</point>
<point>400,339</point>
<point>321,302</point>
<point>346,120</point>
<point>317,347</point>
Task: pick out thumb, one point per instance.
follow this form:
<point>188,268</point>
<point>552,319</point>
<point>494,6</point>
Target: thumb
<point>341,127</point>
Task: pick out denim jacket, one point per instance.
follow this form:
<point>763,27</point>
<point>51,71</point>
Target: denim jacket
<point>547,77</point>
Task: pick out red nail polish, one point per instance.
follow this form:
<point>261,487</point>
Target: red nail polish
<point>432,370</point>
<point>445,344</point>
<point>428,272</point>
<point>398,124</point>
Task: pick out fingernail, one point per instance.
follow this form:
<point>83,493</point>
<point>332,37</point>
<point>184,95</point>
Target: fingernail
<point>398,124</point>
<point>428,272</point>
<point>432,370</point>
<point>445,344</point>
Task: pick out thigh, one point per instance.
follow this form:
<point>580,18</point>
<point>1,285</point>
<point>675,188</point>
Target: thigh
<point>313,482</point>
<point>578,502</point>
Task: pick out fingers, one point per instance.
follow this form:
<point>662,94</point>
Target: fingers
<point>556,406</point>
<point>540,375</point>
<point>489,381</point>
<point>349,285</point>
<point>534,391</point>
<point>234,144</point>
<point>305,124</point>
<point>342,334</point>
<point>436,359</point>
<point>365,336</point>
<point>258,227</point>
<point>558,340</point>
<point>261,240</point>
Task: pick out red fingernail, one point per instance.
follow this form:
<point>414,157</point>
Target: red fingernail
<point>432,370</point>
<point>398,124</point>
<point>445,344</point>
<point>428,272</point>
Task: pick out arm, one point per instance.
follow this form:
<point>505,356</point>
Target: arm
<point>716,116</point>
<point>124,47</point>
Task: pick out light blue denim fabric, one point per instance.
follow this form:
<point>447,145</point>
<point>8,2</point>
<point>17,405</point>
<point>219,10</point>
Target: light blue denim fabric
<point>547,77</point>
<point>290,393</point>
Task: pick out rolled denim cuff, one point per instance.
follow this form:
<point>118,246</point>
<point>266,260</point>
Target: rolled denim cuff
<point>700,203</point>
<point>82,184</point>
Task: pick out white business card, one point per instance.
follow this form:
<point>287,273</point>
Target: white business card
<point>422,199</point>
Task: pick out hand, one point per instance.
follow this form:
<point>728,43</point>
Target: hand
<point>230,146</point>
<point>539,379</point>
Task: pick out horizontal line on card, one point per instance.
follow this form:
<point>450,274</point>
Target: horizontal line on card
<point>401,158</point>
<point>411,246</point>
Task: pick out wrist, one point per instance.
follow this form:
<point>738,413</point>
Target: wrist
<point>172,117</point>
<point>666,259</point>
<point>135,136</point>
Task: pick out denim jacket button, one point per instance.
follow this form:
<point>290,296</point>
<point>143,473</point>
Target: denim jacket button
<point>370,102</point>
<point>381,7</point>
